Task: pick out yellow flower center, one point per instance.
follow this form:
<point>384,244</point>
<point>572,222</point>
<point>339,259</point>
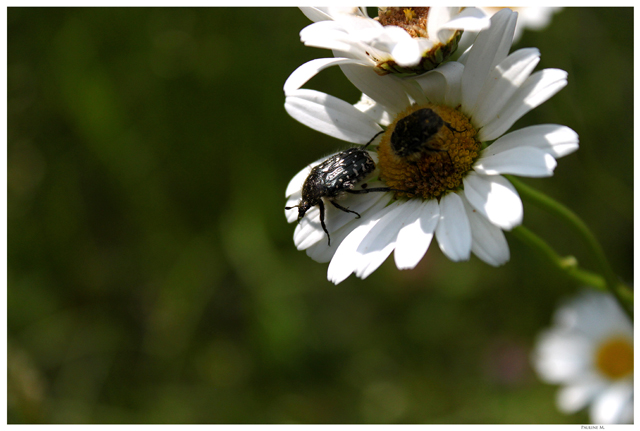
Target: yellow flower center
<point>427,151</point>
<point>409,15</point>
<point>413,19</point>
<point>614,358</point>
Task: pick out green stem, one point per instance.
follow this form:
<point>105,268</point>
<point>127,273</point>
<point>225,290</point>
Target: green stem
<point>566,264</point>
<point>609,279</point>
<point>569,266</point>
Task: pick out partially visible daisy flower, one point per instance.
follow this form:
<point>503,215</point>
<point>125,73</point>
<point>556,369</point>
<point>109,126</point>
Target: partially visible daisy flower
<point>400,40</point>
<point>532,18</point>
<point>453,186</point>
<point>589,350</point>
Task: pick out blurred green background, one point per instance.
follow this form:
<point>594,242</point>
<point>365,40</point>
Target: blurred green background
<point>152,275</point>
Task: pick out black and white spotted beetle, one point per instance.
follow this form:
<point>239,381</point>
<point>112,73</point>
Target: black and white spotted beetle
<point>334,177</point>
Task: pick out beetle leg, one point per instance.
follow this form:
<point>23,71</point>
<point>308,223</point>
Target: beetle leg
<point>340,207</point>
<point>375,189</point>
<point>324,226</point>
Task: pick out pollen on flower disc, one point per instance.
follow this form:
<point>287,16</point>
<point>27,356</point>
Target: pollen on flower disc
<point>614,358</point>
<point>412,19</point>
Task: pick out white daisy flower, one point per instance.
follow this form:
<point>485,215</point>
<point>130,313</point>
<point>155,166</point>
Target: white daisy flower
<point>452,184</point>
<point>408,40</point>
<point>589,350</point>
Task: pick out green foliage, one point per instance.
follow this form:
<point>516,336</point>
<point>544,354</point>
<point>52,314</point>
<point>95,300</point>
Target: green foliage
<point>151,272</point>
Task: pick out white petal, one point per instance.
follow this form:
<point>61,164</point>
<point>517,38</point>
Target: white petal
<point>315,14</point>
<point>321,252</point>
<point>626,413</point>
<point>329,13</point>
<point>414,91</point>
<point>333,35</point>
<point>414,238</point>
<point>332,12</point>
<point>424,45</point>
<point>490,48</point>
<point>407,53</point>
<point>434,84</point>
<point>608,408</point>
<point>439,17</point>
<point>502,83</point>
<point>347,259</point>
<point>346,46</point>
<point>381,240</point>
<point>572,398</point>
<point>522,161</point>
<point>537,89</point>
<point>357,23</point>
<point>339,42</point>
<point>489,243</point>
<point>437,22</point>
<point>469,19</point>
<point>330,115</point>
<point>309,231</point>
<point>383,38</point>
<point>374,110</point>
<point>453,231</point>
<point>555,139</point>
<point>308,70</point>
<point>387,90</point>
<point>577,315</point>
<point>495,198</point>
<point>443,85</point>
<point>465,55</point>
<point>562,356</point>
<point>322,30</point>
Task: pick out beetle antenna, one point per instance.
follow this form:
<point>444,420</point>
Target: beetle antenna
<point>371,140</point>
